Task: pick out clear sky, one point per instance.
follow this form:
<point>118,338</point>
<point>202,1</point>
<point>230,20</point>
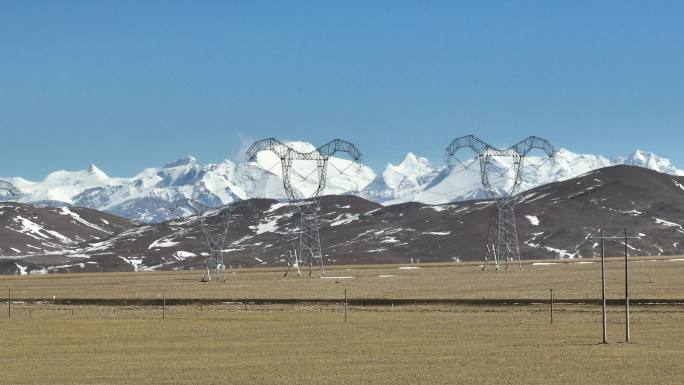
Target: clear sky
<point>133,84</point>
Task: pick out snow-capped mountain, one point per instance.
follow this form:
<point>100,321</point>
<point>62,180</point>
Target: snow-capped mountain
<point>406,179</point>
<point>145,196</point>
<point>554,221</point>
<point>651,161</point>
<point>420,182</point>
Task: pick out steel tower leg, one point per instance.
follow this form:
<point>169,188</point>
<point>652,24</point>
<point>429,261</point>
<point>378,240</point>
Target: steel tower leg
<point>507,242</point>
<point>214,267</point>
<point>309,237</point>
<point>292,262</point>
<point>206,276</point>
<point>218,266</point>
<point>493,238</point>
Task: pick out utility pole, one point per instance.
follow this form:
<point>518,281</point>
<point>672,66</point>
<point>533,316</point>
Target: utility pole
<point>603,284</point>
<point>626,290</point>
<point>623,237</point>
<point>9,303</point>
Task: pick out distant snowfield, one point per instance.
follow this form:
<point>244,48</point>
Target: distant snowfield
<point>270,226</point>
<point>437,232</point>
<point>414,179</point>
<point>66,211</point>
<point>38,232</point>
<point>163,242</point>
<point>343,219</point>
<point>534,221</point>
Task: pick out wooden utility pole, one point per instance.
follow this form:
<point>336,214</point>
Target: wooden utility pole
<point>603,285</point>
<point>625,239</point>
<point>626,290</point>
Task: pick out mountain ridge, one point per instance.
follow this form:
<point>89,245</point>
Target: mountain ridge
<point>414,178</point>
<point>554,220</point>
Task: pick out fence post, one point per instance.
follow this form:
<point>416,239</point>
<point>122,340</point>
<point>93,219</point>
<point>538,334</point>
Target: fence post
<point>9,303</point>
<point>551,306</point>
<point>345,304</point>
<point>164,304</point>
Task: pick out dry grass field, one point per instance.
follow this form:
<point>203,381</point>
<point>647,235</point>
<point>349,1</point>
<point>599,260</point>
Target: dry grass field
<point>650,278</point>
<point>305,344</point>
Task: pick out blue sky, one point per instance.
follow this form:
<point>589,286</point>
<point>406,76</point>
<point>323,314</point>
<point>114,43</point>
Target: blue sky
<point>134,84</point>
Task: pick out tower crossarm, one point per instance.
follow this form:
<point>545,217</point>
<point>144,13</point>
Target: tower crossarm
<point>531,143</point>
<point>280,149</point>
<point>340,146</point>
<point>287,155</point>
<point>8,187</point>
<point>468,142</point>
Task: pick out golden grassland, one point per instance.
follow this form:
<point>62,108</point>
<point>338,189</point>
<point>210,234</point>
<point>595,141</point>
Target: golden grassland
<point>292,345</point>
<point>237,343</point>
<point>649,278</point>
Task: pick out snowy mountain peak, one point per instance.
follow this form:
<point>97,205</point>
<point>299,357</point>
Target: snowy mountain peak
<point>93,169</point>
<point>410,172</point>
<point>401,182</point>
<point>411,161</point>
<point>412,179</point>
<point>184,161</point>
<point>651,161</point>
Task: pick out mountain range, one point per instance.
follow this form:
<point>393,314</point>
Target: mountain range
<point>555,220</point>
<point>145,196</point>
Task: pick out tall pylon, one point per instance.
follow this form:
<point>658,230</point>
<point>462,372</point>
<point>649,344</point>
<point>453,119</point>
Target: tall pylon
<point>305,241</point>
<point>215,236</point>
<point>502,237</point>
<point>12,192</point>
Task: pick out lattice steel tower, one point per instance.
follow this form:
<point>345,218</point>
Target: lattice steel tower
<point>8,187</point>
<point>305,240</point>
<point>502,237</point>
<point>215,235</point>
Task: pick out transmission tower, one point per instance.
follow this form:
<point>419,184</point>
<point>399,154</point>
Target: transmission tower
<point>305,241</point>
<point>502,237</point>
<point>214,234</point>
<point>9,188</point>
